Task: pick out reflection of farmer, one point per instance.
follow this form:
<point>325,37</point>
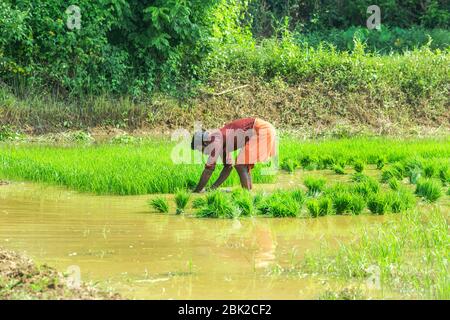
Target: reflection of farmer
<point>255,137</point>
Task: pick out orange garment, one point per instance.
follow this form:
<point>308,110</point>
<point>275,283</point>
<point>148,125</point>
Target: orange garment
<point>254,137</point>
<point>261,146</point>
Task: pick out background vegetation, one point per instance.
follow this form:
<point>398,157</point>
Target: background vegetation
<point>157,54</point>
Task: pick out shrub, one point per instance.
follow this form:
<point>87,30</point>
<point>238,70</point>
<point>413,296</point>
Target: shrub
<point>181,200</point>
<point>160,204</point>
<point>218,205</point>
<point>314,185</point>
<point>429,189</point>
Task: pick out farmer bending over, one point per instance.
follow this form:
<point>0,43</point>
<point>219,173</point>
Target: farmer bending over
<point>254,137</point>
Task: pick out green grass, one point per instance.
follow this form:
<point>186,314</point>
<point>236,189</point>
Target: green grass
<point>160,204</point>
<point>120,169</point>
<point>410,252</point>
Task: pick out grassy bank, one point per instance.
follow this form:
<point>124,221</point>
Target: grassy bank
<point>292,85</point>
<point>22,279</point>
<point>145,166</point>
<point>407,255</point>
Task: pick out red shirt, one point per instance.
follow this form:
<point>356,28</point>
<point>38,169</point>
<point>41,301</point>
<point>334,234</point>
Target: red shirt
<point>231,137</point>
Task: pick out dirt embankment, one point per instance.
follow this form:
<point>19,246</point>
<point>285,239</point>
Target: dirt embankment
<point>22,279</point>
<point>308,107</point>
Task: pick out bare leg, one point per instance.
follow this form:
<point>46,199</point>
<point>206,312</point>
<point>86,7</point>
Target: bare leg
<point>244,176</point>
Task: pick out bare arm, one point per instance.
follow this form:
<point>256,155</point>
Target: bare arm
<point>223,176</point>
<point>206,175</point>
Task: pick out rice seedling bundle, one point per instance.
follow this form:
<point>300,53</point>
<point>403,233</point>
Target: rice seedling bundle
<point>358,166</point>
<point>160,204</point>
<point>430,189</point>
<point>218,205</point>
<point>314,185</point>
<point>181,200</point>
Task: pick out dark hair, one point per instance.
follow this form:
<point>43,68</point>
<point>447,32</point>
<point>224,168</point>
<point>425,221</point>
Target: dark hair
<point>197,137</point>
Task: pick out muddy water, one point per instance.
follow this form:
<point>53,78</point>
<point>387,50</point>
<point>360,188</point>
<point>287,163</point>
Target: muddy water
<point>119,243</point>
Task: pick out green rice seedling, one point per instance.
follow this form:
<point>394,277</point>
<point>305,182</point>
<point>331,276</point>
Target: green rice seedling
<point>378,204</point>
<point>401,200</point>
<point>298,195</point>
<point>289,165</point>
<point>181,200</point>
<point>280,204</point>
<point>400,169</point>
<point>381,162</point>
<point>414,174</point>
<point>314,185</point>
<point>358,166</point>
<point>444,175</point>
<point>367,187</point>
<point>430,189</point>
<point>327,161</point>
<point>338,169</point>
<point>313,208</point>
<point>359,177</point>
<point>198,203</point>
<point>429,170</point>
<point>390,173</point>
<point>244,201</point>
<point>218,205</point>
<point>357,204</point>
<point>325,206</point>
<point>394,184</point>
<point>160,204</point>
<point>258,199</point>
<point>342,202</point>
<point>307,161</point>
<point>448,191</point>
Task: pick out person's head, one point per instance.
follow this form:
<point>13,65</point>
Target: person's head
<point>199,140</point>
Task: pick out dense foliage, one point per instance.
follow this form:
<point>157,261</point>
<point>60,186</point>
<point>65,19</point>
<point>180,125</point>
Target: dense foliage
<point>121,46</point>
<point>139,47</point>
<point>309,15</point>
